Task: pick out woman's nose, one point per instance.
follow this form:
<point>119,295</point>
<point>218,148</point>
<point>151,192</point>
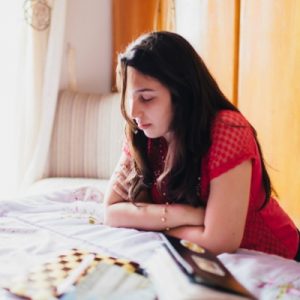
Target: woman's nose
<point>135,110</point>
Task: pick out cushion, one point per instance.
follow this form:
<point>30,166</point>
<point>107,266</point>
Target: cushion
<point>87,136</point>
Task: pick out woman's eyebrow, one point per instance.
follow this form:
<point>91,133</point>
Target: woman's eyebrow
<point>144,90</point>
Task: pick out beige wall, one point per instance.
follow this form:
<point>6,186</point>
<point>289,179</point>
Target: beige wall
<point>88,32</point>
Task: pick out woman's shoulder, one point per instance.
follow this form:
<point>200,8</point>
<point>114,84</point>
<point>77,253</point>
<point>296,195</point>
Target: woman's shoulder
<point>230,118</point>
<point>231,127</point>
<point>232,141</point>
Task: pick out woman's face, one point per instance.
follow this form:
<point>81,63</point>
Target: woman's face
<point>149,104</point>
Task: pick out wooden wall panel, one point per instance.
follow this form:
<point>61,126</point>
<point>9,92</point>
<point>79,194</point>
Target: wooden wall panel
<point>212,27</point>
<point>269,89</point>
<point>130,19</point>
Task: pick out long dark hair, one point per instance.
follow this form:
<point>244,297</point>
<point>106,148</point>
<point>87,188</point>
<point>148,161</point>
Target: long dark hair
<point>196,99</point>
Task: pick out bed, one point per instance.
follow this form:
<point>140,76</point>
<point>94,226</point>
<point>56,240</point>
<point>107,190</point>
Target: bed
<point>64,209</point>
<point>36,227</point>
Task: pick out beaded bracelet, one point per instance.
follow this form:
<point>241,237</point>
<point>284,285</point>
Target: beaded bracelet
<point>164,215</point>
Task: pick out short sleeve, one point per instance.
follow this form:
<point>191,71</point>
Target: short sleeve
<point>233,142</point>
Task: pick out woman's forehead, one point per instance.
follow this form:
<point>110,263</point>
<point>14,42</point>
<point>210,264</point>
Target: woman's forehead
<point>139,82</point>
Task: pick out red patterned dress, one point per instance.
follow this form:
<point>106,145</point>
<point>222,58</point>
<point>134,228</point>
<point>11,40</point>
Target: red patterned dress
<point>268,230</point>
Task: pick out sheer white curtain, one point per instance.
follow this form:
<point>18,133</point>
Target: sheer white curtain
<point>30,63</point>
<point>36,161</point>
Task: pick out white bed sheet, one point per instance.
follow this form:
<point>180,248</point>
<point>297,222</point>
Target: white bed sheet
<point>35,228</point>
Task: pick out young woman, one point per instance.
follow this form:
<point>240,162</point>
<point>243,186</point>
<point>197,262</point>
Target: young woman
<point>191,165</point>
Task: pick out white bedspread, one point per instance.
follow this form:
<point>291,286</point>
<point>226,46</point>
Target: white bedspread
<point>35,228</point>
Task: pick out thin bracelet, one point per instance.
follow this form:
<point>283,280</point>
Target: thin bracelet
<point>164,215</point>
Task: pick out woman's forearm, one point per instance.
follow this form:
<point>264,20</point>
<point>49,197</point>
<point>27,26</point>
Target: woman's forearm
<point>200,236</point>
<point>156,217</point>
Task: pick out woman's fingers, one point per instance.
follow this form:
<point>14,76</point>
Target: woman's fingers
<point>126,169</point>
<point>119,189</point>
<point>123,180</point>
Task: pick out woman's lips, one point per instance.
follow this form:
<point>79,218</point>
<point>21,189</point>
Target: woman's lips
<point>144,126</point>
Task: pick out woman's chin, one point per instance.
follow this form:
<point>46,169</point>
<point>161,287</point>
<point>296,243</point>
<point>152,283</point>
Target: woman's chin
<point>151,135</point>
<point>154,135</point>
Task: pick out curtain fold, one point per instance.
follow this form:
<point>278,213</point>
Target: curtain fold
<point>212,28</point>
<point>30,83</point>
<point>41,105</point>
<point>132,18</point>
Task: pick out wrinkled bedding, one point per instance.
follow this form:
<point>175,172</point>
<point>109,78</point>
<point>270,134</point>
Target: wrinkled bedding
<point>36,227</point>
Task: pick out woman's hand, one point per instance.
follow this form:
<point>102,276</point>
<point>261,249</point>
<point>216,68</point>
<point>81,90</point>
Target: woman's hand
<point>121,182</point>
<point>123,179</point>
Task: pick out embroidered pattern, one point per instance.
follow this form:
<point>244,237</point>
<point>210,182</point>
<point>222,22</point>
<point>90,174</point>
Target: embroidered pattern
<point>284,289</point>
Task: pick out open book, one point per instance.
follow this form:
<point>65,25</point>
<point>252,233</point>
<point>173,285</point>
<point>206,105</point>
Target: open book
<point>80,274</point>
<point>184,270</point>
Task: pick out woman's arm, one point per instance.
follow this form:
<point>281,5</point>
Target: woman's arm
<point>219,228</point>
<point>120,212</point>
<point>147,216</point>
<point>225,214</point>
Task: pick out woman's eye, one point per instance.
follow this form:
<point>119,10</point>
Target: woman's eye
<point>146,99</point>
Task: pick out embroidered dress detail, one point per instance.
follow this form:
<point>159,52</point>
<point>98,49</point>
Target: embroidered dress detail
<point>158,148</point>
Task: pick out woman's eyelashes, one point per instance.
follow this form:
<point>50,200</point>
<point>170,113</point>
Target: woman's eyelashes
<point>146,98</point>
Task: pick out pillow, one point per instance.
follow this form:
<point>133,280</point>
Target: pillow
<point>87,136</point>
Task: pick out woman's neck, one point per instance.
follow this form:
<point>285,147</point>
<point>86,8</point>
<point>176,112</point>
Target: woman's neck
<point>168,137</point>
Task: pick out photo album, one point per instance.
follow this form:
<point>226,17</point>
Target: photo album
<point>184,270</point>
